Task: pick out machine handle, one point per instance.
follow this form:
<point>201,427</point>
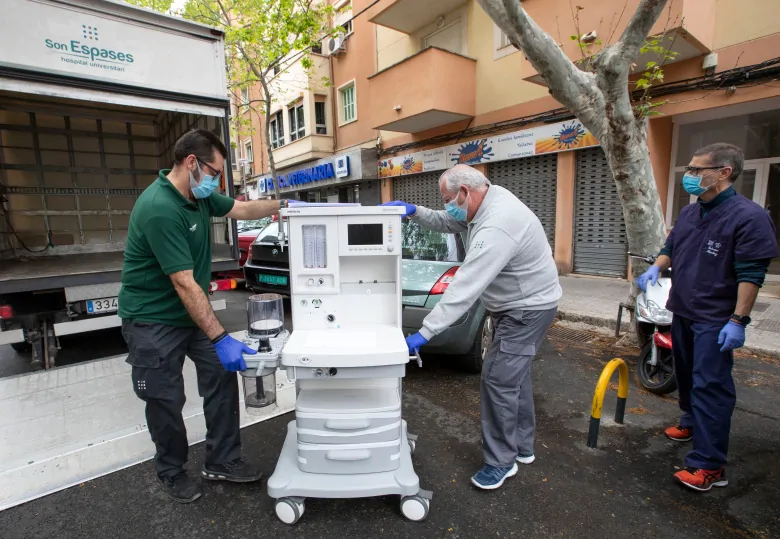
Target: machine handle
<point>349,455</point>
<point>347,424</point>
<point>416,357</point>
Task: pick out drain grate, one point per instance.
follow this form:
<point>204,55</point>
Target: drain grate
<point>772,326</point>
<point>760,307</point>
<point>573,335</point>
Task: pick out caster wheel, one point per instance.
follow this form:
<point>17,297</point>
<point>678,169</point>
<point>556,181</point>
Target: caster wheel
<point>415,508</point>
<point>288,510</point>
<point>412,446</point>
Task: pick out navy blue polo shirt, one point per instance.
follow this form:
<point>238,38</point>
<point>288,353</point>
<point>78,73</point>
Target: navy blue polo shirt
<point>704,249</point>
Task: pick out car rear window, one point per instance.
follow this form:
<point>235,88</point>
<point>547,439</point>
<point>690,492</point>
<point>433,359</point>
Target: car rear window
<point>418,243</point>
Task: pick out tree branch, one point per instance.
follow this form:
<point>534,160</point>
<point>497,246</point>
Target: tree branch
<point>627,48</point>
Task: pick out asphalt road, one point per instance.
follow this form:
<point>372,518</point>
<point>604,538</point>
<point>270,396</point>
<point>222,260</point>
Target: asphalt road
<point>624,488</point>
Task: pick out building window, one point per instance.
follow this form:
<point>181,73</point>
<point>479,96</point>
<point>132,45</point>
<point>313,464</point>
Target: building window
<point>250,157</point>
<point>297,124</point>
<point>245,96</point>
<point>319,115</point>
<point>317,48</point>
<point>277,130</point>
<point>501,44</point>
<point>347,27</point>
<point>348,104</point>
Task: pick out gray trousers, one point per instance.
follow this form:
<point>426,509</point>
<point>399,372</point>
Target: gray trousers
<point>157,354</point>
<point>507,399</point>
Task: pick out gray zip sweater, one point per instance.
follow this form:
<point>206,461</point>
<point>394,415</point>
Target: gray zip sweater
<point>508,265</point>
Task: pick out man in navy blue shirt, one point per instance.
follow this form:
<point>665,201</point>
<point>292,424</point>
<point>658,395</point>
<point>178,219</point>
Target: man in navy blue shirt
<point>719,251</point>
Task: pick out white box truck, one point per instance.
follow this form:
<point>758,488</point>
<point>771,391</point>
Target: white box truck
<point>93,96</point>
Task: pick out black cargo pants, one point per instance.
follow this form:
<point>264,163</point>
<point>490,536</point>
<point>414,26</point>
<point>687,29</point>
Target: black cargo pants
<point>157,354</point>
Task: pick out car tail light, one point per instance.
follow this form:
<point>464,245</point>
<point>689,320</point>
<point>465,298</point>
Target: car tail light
<point>444,281</point>
<point>223,284</point>
<point>6,312</point>
<point>663,340</point>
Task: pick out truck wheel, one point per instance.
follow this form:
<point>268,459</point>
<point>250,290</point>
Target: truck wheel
<point>22,347</point>
<point>472,361</point>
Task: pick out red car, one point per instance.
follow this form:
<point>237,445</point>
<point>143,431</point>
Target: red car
<point>247,233</point>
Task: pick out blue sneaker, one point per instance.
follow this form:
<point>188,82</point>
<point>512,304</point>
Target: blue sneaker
<point>492,477</point>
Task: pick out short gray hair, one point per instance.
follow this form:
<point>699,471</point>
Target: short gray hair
<point>722,154</point>
<point>463,175</point>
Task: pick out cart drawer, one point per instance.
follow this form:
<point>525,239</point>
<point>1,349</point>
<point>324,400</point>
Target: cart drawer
<point>348,431</point>
<point>347,459</point>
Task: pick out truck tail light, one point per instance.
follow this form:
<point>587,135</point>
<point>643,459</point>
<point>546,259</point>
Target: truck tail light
<point>223,284</point>
<point>444,281</point>
<point>6,312</point>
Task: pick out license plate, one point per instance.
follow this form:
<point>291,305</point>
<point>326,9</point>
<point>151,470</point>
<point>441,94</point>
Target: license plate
<point>272,279</point>
<point>105,305</point>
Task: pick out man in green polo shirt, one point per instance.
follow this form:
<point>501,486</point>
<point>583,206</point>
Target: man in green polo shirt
<point>166,314</point>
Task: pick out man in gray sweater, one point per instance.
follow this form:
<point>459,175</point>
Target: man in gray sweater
<point>509,266</point>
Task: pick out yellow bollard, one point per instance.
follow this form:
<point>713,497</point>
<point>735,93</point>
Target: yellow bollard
<point>598,397</point>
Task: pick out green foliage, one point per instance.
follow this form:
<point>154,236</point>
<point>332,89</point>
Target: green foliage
<point>653,74</point>
<point>163,6</point>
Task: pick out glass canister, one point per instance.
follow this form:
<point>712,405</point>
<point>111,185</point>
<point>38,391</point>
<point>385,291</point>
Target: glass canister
<point>259,390</point>
<point>265,315</point>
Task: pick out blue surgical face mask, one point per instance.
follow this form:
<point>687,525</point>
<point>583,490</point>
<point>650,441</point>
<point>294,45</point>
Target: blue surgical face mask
<point>457,212</point>
<point>208,184</point>
<point>692,184</point>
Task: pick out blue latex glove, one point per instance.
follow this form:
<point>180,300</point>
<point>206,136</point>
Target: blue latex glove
<point>650,275</point>
<point>411,209</point>
<point>230,353</point>
<point>415,342</point>
<point>732,336</point>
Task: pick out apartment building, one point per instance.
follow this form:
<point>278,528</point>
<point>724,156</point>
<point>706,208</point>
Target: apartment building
<point>449,88</point>
<point>321,150</point>
<point>417,87</point>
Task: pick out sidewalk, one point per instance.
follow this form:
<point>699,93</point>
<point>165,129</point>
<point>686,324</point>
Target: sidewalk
<point>595,301</point>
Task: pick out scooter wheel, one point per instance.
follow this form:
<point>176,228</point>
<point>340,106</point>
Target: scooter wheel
<point>659,378</point>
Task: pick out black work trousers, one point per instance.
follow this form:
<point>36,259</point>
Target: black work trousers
<point>156,353</point>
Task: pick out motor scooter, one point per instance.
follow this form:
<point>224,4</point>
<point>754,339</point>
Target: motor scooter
<point>653,322</point>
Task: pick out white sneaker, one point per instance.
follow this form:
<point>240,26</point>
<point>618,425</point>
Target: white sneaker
<point>525,460</point>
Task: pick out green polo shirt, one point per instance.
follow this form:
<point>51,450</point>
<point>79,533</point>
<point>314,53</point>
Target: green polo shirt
<point>167,233</point>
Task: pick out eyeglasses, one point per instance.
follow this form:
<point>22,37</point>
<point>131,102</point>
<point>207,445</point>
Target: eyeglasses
<point>214,172</point>
<point>697,170</point>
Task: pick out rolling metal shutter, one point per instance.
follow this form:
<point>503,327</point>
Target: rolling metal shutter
<point>600,243</point>
<point>419,189</point>
<point>533,180</point>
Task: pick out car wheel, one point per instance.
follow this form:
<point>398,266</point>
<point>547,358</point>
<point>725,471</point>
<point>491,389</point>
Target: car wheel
<point>472,361</point>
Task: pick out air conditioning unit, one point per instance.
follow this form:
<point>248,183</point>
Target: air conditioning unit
<point>335,45</point>
<point>247,168</point>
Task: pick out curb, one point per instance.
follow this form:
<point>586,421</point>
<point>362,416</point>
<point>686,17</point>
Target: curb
<point>610,323</point>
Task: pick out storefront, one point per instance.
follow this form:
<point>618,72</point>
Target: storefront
<point>582,212</point>
<point>754,127</point>
<point>347,177</point>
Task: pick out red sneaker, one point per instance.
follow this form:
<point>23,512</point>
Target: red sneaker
<point>679,434</point>
<point>702,480</point>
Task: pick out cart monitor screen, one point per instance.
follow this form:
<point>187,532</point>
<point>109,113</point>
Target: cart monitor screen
<point>364,234</point>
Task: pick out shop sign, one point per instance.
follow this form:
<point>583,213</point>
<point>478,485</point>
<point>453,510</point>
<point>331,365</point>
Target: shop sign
<point>565,136</point>
<point>342,166</point>
<point>298,177</point>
